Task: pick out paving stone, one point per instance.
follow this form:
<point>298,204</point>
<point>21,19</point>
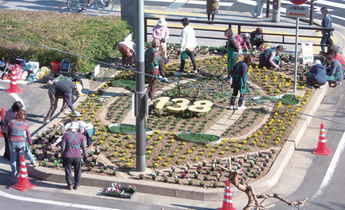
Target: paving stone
<point>221,127</point>
<point>222,121</point>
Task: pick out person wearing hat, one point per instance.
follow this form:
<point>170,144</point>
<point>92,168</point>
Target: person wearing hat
<point>212,7</point>
<point>161,32</point>
<point>316,75</point>
<point>72,141</point>
<point>10,114</point>
<point>63,89</point>
<point>127,49</point>
<point>187,44</point>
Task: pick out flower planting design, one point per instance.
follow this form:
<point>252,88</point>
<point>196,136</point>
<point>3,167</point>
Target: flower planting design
<point>251,151</point>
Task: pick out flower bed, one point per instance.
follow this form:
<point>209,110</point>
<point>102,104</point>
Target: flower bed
<point>250,151</point>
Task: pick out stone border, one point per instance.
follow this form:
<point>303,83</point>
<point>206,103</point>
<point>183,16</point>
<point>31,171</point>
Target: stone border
<point>198,193</point>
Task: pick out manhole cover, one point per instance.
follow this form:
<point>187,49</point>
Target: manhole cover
<point>330,99</point>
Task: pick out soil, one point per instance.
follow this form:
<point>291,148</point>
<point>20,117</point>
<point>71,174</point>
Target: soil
<point>250,145</point>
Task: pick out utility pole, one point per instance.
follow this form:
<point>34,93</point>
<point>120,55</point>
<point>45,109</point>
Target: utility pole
<point>140,95</point>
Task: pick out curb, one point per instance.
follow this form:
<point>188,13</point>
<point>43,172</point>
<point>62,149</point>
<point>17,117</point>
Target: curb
<point>197,193</point>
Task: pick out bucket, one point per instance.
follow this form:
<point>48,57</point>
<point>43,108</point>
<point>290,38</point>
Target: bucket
<point>55,66</point>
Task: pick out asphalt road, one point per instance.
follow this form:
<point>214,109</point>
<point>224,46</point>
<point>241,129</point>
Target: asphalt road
<point>34,96</point>
<point>324,189</point>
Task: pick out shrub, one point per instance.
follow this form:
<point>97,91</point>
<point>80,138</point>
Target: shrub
<point>92,37</point>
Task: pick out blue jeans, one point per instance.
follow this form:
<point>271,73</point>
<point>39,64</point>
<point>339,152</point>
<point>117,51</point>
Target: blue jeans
<point>259,6</point>
<point>15,149</point>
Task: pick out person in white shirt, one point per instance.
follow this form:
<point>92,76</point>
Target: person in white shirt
<point>188,44</point>
<point>127,49</point>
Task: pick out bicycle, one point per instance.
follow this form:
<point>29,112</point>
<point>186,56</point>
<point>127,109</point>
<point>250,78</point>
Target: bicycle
<point>103,6</point>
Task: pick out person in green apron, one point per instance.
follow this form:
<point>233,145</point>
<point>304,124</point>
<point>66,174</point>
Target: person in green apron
<point>19,136</point>
<point>335,72</point>
<point>331,45</point>
<point>71,143</point>
<point>239,81</point>
<point>337,56</point>
<point>257,38</point>
<point>187,46</point>
<point>269,58</point>
<point>152,57</point>
<point>232,53</point>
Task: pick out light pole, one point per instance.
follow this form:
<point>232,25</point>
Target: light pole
<point>140,95</point>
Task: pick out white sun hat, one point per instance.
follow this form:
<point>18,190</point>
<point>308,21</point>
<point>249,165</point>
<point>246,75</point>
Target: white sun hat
<point>162,22</point>
<point>317,62</point>
<point>72,126</point>
<point>79,88</point>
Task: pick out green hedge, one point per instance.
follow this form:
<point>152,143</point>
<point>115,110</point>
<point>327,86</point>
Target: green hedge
<point>92,37</point>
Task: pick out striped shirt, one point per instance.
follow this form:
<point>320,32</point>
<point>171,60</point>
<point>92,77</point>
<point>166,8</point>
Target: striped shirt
<point>24,128</point>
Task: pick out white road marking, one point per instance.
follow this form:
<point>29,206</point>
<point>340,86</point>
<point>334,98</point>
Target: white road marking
<point>331,168</point>
<point>15,96</point>
<point>52,202</point>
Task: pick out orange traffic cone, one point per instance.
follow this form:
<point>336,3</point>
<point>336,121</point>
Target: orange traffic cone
<point>322,145</point>
<point>227,202</point>
<point>14,86</point>
<point>3,112</point>
<point>23,182</point>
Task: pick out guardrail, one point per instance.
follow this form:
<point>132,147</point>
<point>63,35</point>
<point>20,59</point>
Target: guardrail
<point>240,28</point>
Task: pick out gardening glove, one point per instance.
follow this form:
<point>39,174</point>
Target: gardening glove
<point>162,40</point>
<point>84,159</point>
<point>77,113</point>
<point>82,130</point>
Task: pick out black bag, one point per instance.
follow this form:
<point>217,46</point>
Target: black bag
<point>65,66</point>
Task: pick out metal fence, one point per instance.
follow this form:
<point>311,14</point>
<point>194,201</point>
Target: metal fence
<point>241,28</point>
